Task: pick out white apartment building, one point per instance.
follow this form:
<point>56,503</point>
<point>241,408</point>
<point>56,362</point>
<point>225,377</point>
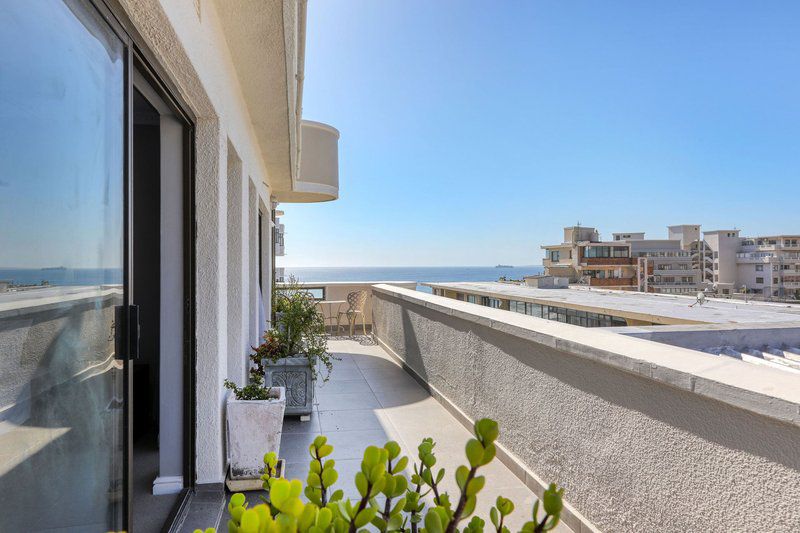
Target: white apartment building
<point>764,266</point>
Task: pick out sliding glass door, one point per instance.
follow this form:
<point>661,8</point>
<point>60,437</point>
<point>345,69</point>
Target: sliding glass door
<point>62,275</point>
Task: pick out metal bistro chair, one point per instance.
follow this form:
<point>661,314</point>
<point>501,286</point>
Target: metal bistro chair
<point>356,301</point>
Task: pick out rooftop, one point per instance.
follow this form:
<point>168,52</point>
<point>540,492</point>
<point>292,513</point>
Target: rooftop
<point>656,308</point>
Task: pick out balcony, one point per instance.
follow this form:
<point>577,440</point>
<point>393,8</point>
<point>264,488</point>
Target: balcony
<point>279,233</point>
<point>608,261</point>
<point>599,412</point>
<point>766,257</point>
<point>612,282</point>
<point>318,177</point>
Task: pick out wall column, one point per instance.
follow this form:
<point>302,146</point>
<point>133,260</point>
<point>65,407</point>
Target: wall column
<point>237,224</point>
<point>211,299</point>
<point>254,336</point>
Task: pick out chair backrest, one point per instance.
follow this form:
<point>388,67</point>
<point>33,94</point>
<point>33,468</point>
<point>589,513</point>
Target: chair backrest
<point>356,300</point>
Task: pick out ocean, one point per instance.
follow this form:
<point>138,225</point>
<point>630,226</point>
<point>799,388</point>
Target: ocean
<point>419,274</point>
<point>62,276</point>
<point>108,276</point>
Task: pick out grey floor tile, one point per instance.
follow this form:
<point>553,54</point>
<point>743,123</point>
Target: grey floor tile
<point>294,446</point>
<point>401,395</point>
<point>379,372</point>
<point>371,361</point>
<point>351,444</point>
<point>293,424</point>
<point>345,374</point>
<point>297,470</point>
<point>389,379</point>
<point>349,420</point>
<point>347,401</point>
<point>343,386</point>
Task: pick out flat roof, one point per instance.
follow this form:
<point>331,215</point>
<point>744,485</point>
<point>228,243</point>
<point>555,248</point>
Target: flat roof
<point>655,308</point>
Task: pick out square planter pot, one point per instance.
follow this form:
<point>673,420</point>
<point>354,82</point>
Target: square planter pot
<point>295,375</point>
<point>254,428</point>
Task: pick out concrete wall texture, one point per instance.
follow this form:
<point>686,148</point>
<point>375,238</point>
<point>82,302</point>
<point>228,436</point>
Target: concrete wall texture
<point>633,454</point>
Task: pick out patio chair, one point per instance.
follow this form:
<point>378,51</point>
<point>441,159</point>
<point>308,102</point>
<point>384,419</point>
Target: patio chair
<point>356,301</point>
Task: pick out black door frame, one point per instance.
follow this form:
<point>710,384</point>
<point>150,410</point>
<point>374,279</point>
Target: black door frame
<point>138,56</point>
<point>143,67</point>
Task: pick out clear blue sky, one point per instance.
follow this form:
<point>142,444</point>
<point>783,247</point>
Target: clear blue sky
<point>472,132</point>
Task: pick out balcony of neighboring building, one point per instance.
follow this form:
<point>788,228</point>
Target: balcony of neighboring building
<point>767,257</point>
<point>555,263</point>
<point>317,178</point>
<point>608,261</point>
<point>613,282</point>
<point>672,269</point>
<point>279,238</point>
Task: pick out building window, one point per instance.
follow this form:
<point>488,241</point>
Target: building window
<point>760,280</point>
<point>494,303</point>
<point>606,251</point>
<point>554,255</point>
<point>471,298</point>
<point>759,268</point>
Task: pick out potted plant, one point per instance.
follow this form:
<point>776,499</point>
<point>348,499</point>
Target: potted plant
<point>254,426</point>
<point>396,494</point>
<point>293,350</point>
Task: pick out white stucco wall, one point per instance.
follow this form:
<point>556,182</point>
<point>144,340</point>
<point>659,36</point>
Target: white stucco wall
<point>644,437</point>
<point>187,40</point>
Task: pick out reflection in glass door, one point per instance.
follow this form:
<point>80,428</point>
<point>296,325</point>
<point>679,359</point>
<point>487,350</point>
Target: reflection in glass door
<point>62,209</point>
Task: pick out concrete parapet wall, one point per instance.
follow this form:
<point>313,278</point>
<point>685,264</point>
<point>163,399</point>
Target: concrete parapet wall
<point>643,436</point>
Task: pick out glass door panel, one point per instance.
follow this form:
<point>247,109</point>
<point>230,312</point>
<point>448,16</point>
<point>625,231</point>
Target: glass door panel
<point>62,160</point>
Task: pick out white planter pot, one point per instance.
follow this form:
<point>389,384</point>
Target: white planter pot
<point>254,428</point>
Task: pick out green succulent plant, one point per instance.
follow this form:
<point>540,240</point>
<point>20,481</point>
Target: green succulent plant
<point>388,501</point>
<point>255,390</point>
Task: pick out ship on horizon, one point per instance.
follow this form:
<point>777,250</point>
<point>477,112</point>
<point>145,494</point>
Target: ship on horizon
<point>504,266</point>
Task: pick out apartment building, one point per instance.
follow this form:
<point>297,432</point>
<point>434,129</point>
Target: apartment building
<point>687,261</point>
<point>768,266</point>
<point>629,261</point>
<point>583,258</point>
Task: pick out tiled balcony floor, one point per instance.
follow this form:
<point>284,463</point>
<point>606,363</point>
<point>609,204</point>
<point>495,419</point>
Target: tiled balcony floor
<point>369,399</point>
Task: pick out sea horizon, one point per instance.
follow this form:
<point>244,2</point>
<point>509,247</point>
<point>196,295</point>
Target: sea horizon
<point>420,274</point>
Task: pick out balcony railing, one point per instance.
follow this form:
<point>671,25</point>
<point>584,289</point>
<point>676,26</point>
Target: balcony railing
<point>766,257</point>
<point>612,282</point>
<point>665,254</point>
<point>596,261</point>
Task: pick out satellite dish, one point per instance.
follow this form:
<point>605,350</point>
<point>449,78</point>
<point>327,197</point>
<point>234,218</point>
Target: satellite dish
<point>701,298</point>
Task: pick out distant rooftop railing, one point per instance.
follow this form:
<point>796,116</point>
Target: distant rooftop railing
<point>665,254</point>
